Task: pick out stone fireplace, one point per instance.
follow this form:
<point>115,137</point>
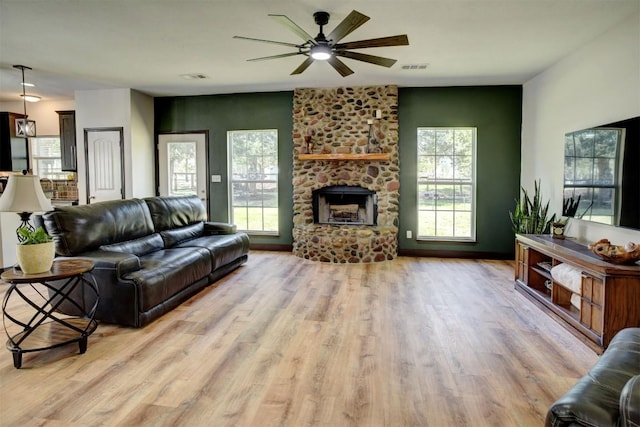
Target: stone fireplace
<point>345,198</point>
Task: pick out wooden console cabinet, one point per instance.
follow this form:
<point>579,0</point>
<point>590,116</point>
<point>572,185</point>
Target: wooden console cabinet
<point>610,293</point>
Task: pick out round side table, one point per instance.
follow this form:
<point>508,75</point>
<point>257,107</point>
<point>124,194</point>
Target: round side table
<point>63,289</point>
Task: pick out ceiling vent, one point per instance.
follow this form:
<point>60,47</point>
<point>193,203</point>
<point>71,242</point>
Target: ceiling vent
<point>194,76</point>
<point>414,66</point>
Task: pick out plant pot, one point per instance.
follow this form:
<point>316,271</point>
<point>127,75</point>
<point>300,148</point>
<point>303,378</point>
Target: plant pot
<point>37,258</point>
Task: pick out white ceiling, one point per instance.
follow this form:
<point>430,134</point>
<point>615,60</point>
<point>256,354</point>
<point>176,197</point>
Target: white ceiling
<point>148,44</point>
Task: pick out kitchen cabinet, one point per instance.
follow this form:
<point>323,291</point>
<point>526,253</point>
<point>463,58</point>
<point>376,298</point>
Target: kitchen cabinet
<point>14,151</point>
<point>67,120</point>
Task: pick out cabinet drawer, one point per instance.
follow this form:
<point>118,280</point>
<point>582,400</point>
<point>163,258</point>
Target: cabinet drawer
<point>523,253</point>
<point>591,316</point>
<point>592,289</point>
<point>522,261</point>
<point>585,313</point>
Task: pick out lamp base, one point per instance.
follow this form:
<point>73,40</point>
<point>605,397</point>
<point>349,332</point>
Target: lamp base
<point>24,217</point>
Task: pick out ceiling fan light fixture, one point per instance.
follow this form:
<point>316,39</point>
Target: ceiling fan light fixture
<point>320,52</point>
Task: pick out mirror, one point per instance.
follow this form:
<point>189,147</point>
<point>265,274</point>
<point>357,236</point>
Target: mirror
<point>602,174</point>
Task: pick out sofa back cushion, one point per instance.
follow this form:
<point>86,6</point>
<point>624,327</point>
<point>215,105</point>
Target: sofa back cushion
<point>174,236</point>
<point>139,247</point>
<point>174,212</point>
<point>77,229</point>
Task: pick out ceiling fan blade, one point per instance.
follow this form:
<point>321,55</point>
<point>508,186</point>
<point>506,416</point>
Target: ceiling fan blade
<point>283,55</point>
<point>400,40</point>
<point>266,41</point>
<point>340,66</point>
<point>372,59</point>
<point>348,24</point>
<point>284,20</point>
<point>303,66</point>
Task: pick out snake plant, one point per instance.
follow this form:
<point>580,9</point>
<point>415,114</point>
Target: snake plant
<point>530,216</point>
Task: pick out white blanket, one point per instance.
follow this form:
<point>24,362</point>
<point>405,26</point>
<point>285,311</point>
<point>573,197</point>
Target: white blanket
<point>571,278</point>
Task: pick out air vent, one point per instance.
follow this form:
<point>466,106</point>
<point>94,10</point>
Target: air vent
<point>414,66</point>
<point>194,76</point>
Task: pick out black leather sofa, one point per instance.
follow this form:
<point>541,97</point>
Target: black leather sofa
<point>150,254</point>
<point>609,395</point>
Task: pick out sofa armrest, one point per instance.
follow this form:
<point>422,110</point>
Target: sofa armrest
<point>121,263</point>
<point>630,403</point>
<point>219,228</point>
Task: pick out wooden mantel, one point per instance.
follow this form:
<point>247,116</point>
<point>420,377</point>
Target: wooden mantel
<point>338,156</point>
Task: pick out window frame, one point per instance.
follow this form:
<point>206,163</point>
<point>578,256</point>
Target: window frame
<point>573,184</point>
<point>472,182</point>
<point>33,154</point>
<point>232,181</point>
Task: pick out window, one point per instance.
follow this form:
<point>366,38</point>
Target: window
<point>592,172</point>
<point>46,157</point>
<point>446,184</point>
<point>253,168</point>
<point>182,168</point>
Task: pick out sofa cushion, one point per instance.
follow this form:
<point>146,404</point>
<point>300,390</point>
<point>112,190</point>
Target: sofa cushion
<point>177,211</point>
<point>77,229</point>
<point>223,248</point>
<point>177,235</point>
<point>140,246</point>
<point>166,272</point>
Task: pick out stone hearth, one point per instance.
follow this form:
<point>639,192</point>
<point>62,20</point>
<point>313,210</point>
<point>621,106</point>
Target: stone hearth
<point>337,119</point>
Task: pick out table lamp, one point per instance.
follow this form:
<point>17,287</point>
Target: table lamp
<point>24,195</point>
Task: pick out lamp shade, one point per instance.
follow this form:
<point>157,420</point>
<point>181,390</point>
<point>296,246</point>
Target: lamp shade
<point>24,194</point>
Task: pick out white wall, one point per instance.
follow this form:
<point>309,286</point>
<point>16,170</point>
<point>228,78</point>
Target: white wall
<point>597,84</point>
<point>143,145</point>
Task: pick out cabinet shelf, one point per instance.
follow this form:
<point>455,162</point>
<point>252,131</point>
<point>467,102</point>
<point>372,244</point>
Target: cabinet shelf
<point>337,156</point>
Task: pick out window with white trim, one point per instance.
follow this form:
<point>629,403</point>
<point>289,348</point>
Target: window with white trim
<point>253,180</point>
<point>446,183</point>
<point>46,157</point>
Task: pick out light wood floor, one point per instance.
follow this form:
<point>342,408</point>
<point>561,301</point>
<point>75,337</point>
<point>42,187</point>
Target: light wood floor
<point>288,342</point>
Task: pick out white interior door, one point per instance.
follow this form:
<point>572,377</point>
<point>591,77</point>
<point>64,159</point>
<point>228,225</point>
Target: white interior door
<point>105,164</point>
<point>182,164</point>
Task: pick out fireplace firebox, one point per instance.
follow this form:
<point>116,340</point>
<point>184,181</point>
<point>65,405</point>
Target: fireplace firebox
<point>345,204</point>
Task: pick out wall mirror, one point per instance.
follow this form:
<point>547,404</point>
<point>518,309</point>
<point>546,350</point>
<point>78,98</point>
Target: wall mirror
<point>602,174</point>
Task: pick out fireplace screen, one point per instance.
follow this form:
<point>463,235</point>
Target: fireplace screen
<point>342,204</point>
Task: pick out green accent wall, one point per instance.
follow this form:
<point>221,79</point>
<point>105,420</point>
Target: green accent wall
<point>218,114</point>
<point>496,112</point>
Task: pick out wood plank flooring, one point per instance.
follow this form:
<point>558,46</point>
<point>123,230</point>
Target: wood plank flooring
<point>288,342</point>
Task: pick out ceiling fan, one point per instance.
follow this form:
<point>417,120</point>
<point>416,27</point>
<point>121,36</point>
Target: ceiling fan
<point>327,48</point>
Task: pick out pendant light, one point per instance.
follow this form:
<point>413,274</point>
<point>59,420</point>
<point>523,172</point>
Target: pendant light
<point>25,127</point>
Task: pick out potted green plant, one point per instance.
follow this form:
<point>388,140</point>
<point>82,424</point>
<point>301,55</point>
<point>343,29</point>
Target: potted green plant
<point>36,251</point>
<point>530,216</point>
